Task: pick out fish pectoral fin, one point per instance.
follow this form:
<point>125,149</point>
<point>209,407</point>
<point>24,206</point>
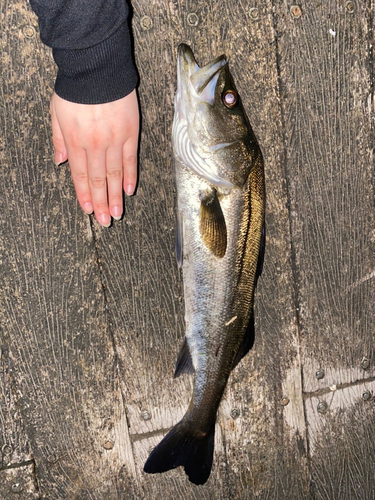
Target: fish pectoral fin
<point>179,231</point>
<point>184,362</point>
<point>247,342</point>
<point>212,225</point>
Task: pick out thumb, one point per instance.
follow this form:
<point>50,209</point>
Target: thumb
<point>61,154</point>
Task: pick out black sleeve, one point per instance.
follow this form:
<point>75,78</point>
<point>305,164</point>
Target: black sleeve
<point>91,47</point>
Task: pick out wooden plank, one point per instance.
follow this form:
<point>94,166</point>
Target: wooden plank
<point>53,310</point>
<point>326,65</point>
<point>326,69</point>
<point>144,289</point>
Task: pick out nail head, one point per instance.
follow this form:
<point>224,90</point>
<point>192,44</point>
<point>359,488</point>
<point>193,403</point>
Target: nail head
<point>235,413</point>
<point>28,31</point>
<point>192,19</point>
<point>366,396</point>
<point>322,407</point>
<point>146,415</point>
<point>108,445</point>
<point>6,449</point>
<point>254,13</point>
<point>296,11</point>
<point>350,6</point>
<point>285,401</point>
<point>146,23</point>
<point>365,363</point>
<point>16,487</point>
<point>319,374</point>
<point>52,458</point>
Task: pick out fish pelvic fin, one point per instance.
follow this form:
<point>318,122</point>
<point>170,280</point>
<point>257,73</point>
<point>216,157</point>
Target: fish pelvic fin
<point>184,362</point>
<point>212,225</point>
<point>186,446</point>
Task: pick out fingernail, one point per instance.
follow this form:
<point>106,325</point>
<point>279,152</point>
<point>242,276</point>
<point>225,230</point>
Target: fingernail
<point>87,207</point>
<point>129,190</point>
<point>104,220</point>
<point>116,212</point>
<point>58,158</point>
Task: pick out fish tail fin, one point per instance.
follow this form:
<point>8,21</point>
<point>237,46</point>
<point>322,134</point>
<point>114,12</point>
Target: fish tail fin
<point>184,445</point>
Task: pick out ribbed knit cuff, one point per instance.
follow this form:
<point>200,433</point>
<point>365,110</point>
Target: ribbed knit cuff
<point>98,74</point>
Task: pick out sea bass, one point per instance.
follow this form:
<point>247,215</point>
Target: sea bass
<point>220,246</point>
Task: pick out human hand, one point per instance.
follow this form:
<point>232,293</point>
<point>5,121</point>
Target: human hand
<point>101,142</point>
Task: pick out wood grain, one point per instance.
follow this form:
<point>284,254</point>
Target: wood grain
<point>326,74</point>
<point>341,442</point>
<point>326,69</point>
<point>92,318</point>
<point>53,316</point>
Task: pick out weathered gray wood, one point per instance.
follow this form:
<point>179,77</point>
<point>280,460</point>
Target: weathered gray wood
<point>341,442</point>
<point>327,70</point>
<point>92,319</point>
<point>14,445</point>
<point>53,315</point>
<point>16,462</point>
<point>143,286</point>
<point>18,483</point>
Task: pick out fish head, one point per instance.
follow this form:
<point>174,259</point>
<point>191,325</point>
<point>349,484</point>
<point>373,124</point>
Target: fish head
<point>211,132</point>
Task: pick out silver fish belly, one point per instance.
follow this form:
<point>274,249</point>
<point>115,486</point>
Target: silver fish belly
<point>219,245</point>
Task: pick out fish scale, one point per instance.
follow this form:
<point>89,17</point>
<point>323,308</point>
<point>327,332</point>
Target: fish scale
<point>219,245</point>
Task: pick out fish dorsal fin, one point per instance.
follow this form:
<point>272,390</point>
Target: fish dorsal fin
<point>212,225</point>
<point>247,342</point>
<point>184,362</point>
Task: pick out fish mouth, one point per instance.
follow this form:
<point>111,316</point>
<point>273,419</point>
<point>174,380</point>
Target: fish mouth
<point>202,80</point>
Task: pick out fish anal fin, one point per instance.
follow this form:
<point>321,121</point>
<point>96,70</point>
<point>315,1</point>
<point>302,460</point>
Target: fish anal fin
<point>212,225</point>
<point>247,342</point>
<point>184,362</point>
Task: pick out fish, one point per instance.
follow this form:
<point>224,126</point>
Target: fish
<point>220,241</point>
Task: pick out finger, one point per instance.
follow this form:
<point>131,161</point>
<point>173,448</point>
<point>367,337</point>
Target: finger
<point>78,169</point>
<point>61,154</point>
<point>114,181</point>
<point>130,165</point>
<point>98,185</point>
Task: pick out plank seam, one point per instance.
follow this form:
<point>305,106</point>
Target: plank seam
<point>18,465</point>
<point>109,327</point>
<point>338,387</point>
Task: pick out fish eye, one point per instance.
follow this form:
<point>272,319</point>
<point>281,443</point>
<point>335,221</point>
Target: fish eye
<point>230,98</point>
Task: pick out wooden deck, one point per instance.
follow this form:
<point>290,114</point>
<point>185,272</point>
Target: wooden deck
<point>92,319</point>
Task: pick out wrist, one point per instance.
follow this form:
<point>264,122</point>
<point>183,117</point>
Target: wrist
<point>98,74</point>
